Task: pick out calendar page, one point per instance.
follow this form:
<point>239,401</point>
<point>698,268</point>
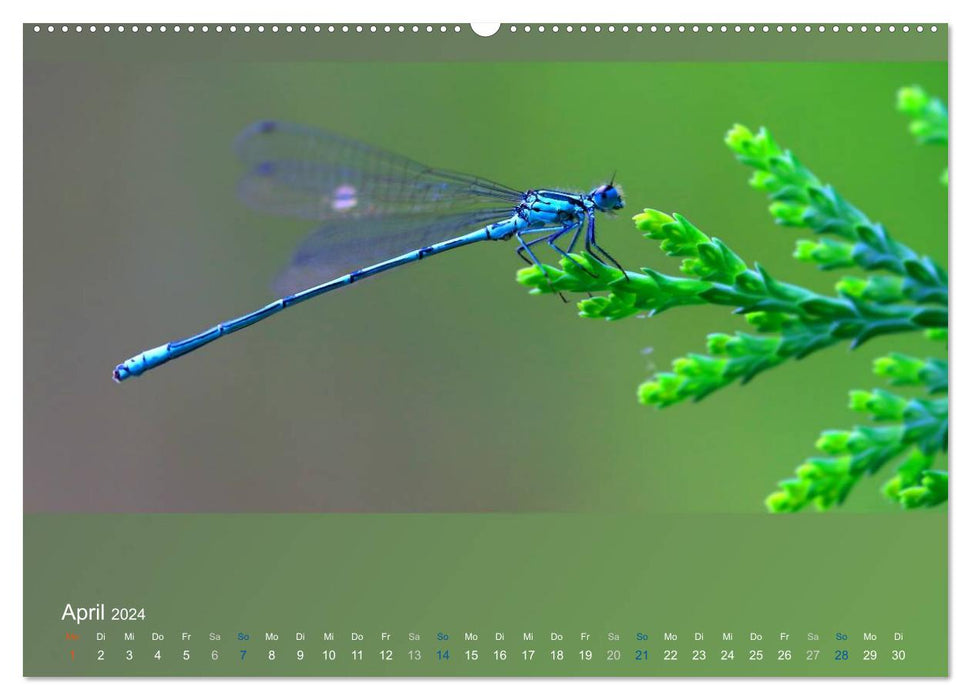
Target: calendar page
<point>515,350</point>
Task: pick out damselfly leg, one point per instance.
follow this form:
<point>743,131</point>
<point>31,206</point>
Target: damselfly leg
<point>378,211</point>
<point>575,227</point>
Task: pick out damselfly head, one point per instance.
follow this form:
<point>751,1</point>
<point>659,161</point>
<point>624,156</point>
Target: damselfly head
<point>608,197</point>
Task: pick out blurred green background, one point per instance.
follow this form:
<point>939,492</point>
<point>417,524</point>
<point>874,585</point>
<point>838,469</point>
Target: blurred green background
<point>441,386</point>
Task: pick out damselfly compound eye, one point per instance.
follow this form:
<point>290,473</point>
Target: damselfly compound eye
<point>345,197</point>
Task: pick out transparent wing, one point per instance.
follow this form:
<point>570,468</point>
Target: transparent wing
<point>342,246</point>
<point>314,174</point>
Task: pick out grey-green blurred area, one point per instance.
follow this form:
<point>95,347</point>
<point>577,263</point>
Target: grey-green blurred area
<point>440,386</point>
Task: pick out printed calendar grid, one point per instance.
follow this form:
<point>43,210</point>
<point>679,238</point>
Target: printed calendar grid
<point>647,590</point>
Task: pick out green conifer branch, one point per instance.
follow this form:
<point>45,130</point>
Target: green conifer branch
<point>801,320</point>
<point>848,236</point>
<point>904,292</point>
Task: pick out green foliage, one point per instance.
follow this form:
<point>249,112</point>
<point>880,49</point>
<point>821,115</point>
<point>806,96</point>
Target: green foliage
<point>915,427</point>
<point>895,290</point>
<point>847,237</point>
